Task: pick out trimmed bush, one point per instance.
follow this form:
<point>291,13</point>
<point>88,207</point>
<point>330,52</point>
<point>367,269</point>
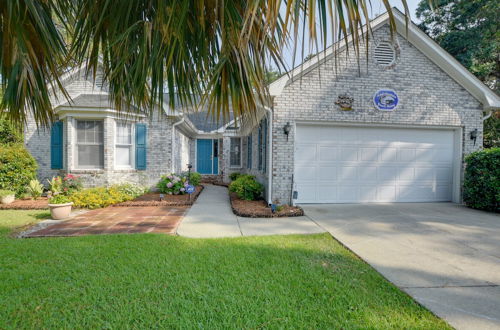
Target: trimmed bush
<point>194,179</point>
<point>235,175</point>
<point>246,187</point>
<point>482,180</point>
<point>94,198</point>
<point>17,168</point>
<point>9,134</point>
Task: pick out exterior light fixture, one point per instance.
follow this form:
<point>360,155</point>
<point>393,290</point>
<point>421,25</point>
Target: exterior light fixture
<point>473,135</point>
<point>287,129</point>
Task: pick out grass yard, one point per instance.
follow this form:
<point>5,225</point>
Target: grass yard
<point>146,280</point>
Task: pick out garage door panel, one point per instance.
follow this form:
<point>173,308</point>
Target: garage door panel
<point>347,194</point>
<point>386,193</point>
<point>327,173</point>
<point>367,173</point>
<point>387,173</point>
<point>388,154</point>
<point>305,153</point>
<point>349,154</point>
<point>369,154</point>
<point>347,173</point>
<point>306,174</point>
<point>350,165</point>
<point>328,153</point>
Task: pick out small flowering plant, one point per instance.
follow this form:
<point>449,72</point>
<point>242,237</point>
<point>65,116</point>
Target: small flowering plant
<point>71,183</point>
<point>173,184</point>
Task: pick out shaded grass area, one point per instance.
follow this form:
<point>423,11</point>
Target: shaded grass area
<point>146,280</point>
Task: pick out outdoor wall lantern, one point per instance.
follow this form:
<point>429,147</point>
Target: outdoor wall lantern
<point>473,135</point>
<point>287,129</point>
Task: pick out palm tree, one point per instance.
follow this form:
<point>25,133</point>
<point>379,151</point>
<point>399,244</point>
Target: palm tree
<point>218,49</point>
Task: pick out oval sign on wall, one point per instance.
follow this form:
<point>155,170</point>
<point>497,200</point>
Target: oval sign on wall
<point>385,100</point>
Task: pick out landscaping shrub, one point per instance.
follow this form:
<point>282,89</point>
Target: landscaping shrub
<point>71,183</point>
<point>94,198</point>
<point>246,187</point>
<point>55,185</point>
<point>9,133</point>
<point>59,199</point>
<point>173,184</point>
<point>17,168</point>
<point>194,178</point>
<point>235,175</point>
<point>482,180</point>
<point>35,189</point>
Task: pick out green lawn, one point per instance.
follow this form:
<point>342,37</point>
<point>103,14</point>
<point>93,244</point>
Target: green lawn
<point>137,281</point>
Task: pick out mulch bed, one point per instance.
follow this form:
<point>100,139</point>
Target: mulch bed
<point>153,199</point>
<point>259,209</point>
<point>27,204</point>
<point>220,183</point>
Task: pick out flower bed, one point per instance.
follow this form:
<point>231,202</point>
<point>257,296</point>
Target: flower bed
<point>153,199</point>
<point>259,209</point>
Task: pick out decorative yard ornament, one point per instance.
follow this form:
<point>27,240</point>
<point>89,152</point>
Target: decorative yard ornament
<point>345,102</point>
<point>385,100</point>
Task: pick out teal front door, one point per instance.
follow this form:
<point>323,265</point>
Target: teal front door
<point>207,161</point>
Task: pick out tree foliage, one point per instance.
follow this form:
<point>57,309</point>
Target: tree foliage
<point>470,31</point>
<point>215,49</point>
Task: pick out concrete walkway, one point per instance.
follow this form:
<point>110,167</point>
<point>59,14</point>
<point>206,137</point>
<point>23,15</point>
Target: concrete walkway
<point>446,256</point>
<point>211,216</point>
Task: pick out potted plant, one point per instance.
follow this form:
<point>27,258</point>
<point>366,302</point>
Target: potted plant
<point>7,196</point>
<point>60,207</point>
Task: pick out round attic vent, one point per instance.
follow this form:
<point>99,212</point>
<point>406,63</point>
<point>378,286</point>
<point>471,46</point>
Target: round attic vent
<point>384,54</point>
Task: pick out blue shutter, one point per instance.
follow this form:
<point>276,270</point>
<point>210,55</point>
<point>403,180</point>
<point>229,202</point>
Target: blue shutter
<point>140,146</point>
<point>264,148</point>
<point>259,146</point>
<point>249,152</point>
<point>56,146</point>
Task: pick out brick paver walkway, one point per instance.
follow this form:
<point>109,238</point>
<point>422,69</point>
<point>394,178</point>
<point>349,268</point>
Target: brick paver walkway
<point>119,220</point>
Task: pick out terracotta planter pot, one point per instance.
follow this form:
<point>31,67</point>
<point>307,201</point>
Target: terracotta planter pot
<point>60,211</point>
<point>7,199</point>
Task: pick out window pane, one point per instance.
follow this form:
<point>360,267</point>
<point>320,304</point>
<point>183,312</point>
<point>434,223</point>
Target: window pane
<point>123,133</point>
<point>235,152</point>
<point>123,156</point>
<point>90,156</point>
<point>89,131</point>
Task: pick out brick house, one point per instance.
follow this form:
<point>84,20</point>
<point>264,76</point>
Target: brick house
<point>394,127</point>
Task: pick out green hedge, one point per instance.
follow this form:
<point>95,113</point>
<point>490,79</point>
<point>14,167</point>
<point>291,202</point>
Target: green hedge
<point>246,187</point>
<point>17,168</point>
<point>482,180</point>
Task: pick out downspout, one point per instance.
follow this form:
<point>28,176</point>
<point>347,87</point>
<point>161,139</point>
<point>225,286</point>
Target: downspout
<point>172,165</point>
<point>269,156</point>
<point>489,112</point>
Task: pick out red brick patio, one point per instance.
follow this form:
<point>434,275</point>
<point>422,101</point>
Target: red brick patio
<point>119,220</point>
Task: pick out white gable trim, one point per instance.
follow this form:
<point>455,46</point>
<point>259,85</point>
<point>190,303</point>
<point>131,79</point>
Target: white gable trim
<point>423,43</point>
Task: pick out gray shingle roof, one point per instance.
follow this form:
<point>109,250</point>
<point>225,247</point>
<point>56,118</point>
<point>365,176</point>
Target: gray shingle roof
<point>89,101</point>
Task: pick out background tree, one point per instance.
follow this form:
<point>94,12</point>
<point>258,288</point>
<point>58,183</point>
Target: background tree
<point>470,31</point>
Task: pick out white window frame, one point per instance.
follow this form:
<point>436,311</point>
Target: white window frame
<point>239,151</point>
<point>76,144</point>
<point>131,145</point>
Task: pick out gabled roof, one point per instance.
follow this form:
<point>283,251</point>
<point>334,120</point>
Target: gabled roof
<point>423,43</point>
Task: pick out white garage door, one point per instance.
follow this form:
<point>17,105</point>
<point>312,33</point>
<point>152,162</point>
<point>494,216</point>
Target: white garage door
<point>372,164</point>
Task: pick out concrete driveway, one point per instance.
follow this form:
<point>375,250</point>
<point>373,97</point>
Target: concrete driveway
<point>444,255</point>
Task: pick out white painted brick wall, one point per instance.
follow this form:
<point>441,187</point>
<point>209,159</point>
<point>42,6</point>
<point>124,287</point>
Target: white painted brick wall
<point>428,97</point>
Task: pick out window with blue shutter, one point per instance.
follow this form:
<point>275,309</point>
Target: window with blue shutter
<point>249,152</point>
<point>264,148</point>
<point>259,147</point>
<point>56,146</point>
<point>140,146</point>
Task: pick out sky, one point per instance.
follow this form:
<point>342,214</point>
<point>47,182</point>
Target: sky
<point>377,9</point>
